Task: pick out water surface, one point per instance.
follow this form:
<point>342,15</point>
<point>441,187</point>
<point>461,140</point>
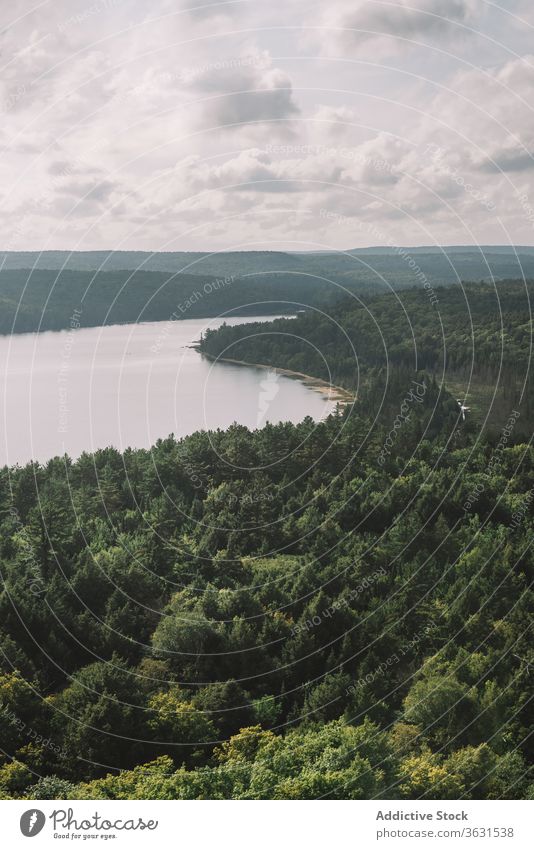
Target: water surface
<point>129,385</point>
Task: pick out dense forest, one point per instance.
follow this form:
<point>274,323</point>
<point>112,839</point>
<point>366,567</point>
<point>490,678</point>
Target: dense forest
<point>324,610</point>
<point>476,340</point>
<point>32,301</point>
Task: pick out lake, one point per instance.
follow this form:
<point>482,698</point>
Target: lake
<point>129,385</point>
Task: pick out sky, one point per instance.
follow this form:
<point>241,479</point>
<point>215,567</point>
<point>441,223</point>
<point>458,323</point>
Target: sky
<point>254,125</point>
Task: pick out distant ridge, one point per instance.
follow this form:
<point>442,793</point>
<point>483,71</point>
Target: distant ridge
<point>39,291</point>
<point>467,258</point>
<point>437,249</point>
<point>194,262</point>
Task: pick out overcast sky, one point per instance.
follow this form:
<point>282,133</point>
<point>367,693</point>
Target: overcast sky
<point>169,125</point>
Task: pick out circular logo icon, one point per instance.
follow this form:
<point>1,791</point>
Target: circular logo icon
<point>32,822</point>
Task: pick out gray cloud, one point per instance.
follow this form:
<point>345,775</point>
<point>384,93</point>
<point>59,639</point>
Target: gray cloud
<point>205,9</point>
<point>387,20</point>
<point>518,159</point>
<point>245,92</point>
<point>89,190</point>
<point>429,16</point>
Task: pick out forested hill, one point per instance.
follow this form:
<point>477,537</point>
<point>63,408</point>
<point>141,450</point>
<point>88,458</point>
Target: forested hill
<point>40,291</point>
<point>440,265</point>
<point>476,340</point>
<point>46,300</point>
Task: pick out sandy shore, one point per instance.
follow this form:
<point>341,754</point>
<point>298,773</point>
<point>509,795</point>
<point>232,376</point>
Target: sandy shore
<point>333,393</point>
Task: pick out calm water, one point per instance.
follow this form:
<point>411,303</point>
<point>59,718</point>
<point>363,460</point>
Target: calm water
<point>128,385</point>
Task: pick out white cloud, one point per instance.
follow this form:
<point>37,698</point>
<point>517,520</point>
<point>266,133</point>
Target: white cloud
<point>186,126</point>
<point>334,121</point>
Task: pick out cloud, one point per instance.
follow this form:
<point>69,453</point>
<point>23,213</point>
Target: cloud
<point>206,9</point>
<point>256,170</point>
<point>485,120</point>
<point>156,126</point>
<point>243,90</point>
<point>89,190</point>
<point>404,19</point>
<point>509,159</point>
<point>386,25</point>
<point>334,121</point>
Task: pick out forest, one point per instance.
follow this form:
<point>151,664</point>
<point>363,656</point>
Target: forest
<point>40,291</point>
<point>476,340</point>
<point>334,610</point>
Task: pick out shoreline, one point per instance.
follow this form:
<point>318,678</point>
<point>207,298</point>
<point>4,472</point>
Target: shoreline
<point>334,393</point>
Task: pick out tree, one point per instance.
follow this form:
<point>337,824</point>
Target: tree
<point>177,723</point>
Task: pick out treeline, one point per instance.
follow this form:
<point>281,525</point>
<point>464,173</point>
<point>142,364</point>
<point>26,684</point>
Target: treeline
<point>273,614</point>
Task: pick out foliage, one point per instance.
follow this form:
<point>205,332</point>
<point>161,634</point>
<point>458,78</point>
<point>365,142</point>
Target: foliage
<point>306,622</point>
